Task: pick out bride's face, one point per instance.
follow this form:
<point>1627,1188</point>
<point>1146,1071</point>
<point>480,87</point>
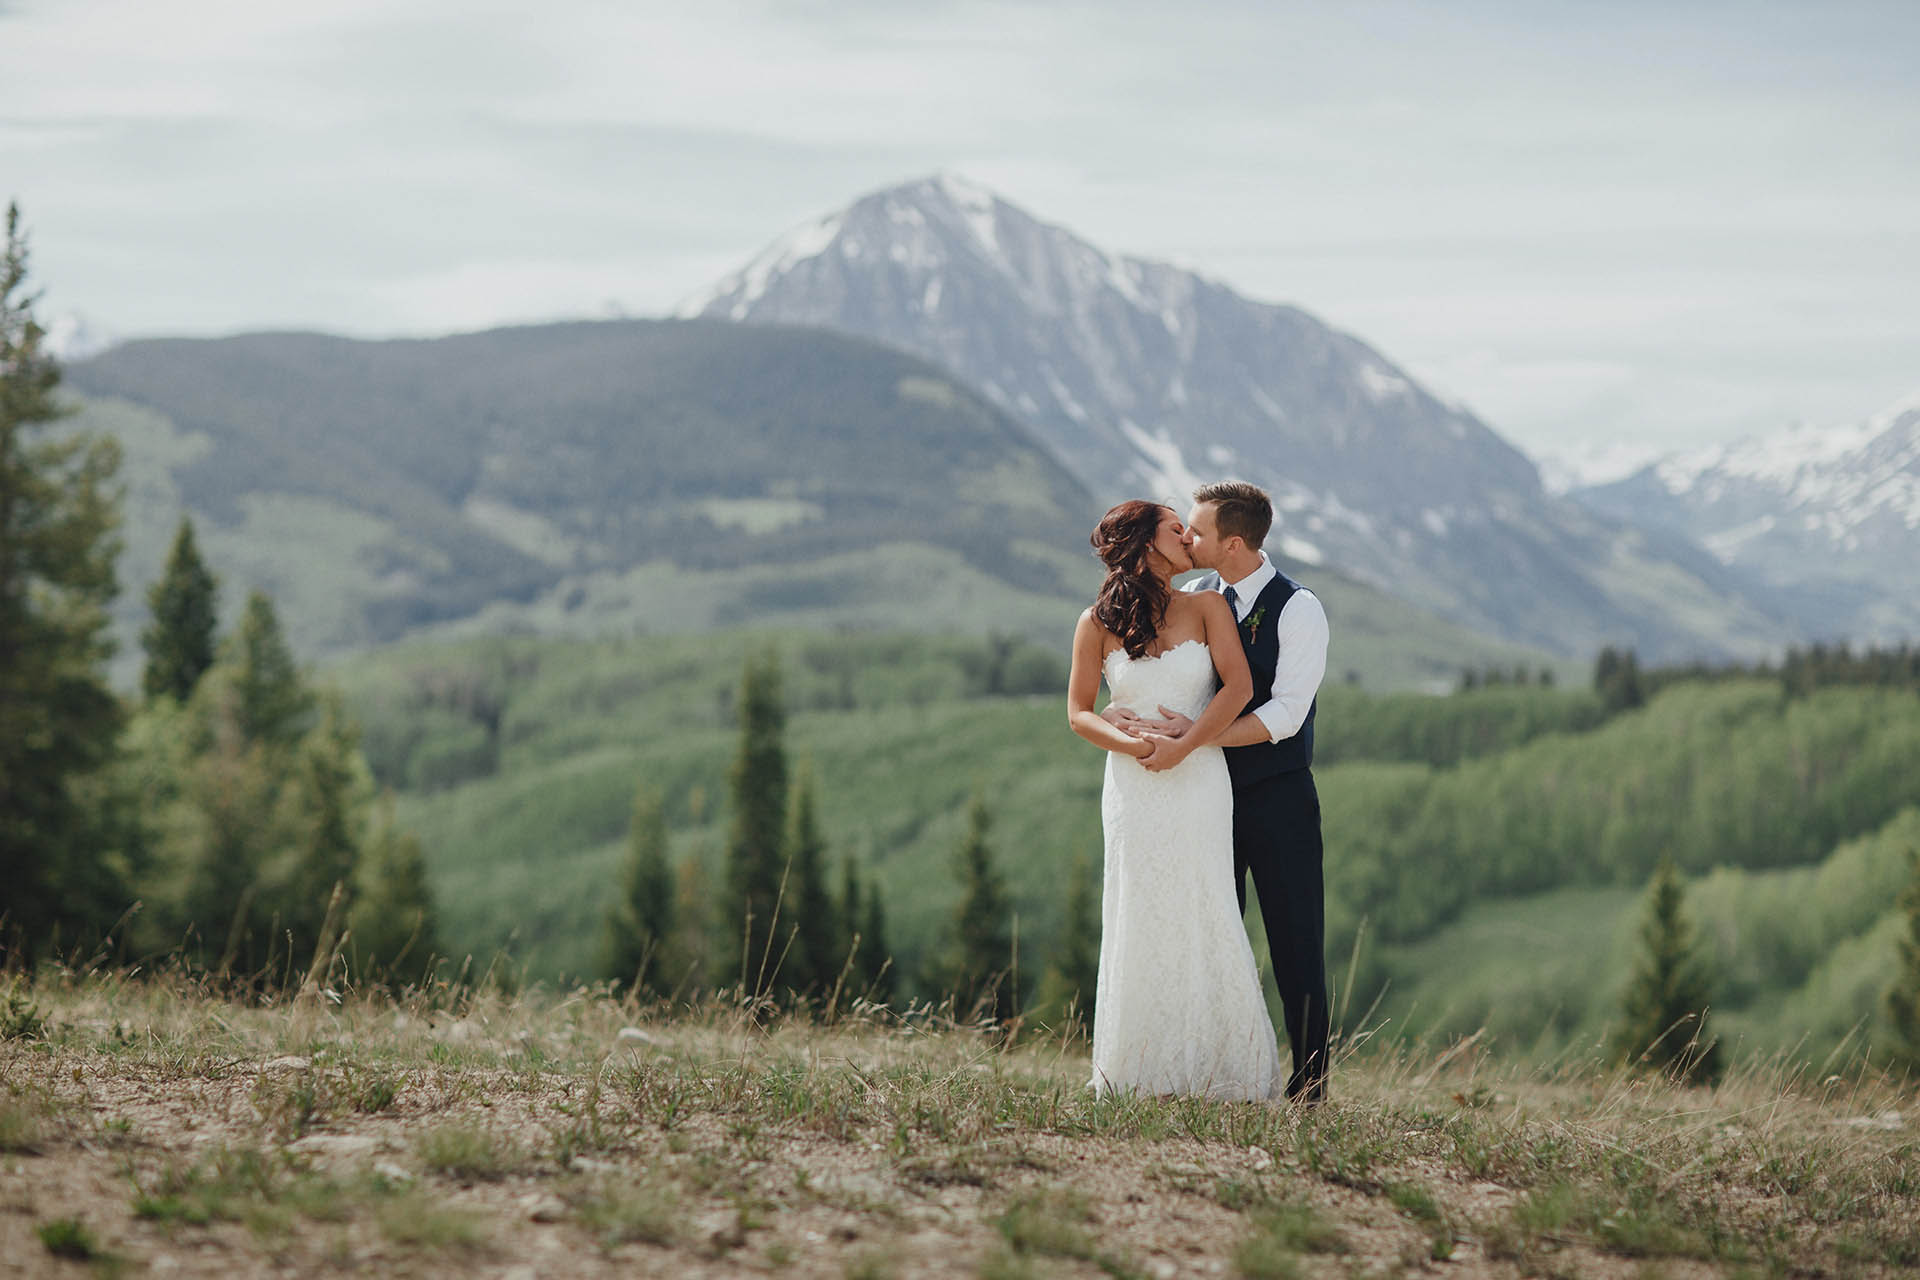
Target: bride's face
<point>1170,542</point>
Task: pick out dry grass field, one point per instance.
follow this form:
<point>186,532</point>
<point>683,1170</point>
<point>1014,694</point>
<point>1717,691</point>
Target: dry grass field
<point>149,1127</point>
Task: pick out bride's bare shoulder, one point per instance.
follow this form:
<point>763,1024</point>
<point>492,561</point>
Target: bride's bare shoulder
<point>1090,627</point>
<point>1196,604</point>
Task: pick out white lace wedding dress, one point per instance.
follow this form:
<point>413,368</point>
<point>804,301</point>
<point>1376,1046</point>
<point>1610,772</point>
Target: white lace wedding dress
<point>1178,1008</point>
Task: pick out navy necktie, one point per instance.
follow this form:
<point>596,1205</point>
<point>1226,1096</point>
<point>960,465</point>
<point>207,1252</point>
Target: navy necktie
<point>1233,602</point>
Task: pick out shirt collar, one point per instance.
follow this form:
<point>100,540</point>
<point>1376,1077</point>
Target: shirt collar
<point>1253,584</point>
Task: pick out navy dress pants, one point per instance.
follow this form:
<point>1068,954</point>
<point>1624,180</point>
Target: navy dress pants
<point>1276,840</point>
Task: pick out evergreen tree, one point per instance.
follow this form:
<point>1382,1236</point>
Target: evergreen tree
<point>325,821</point>
<point>640,925</point>
<point>978,969</point>
<point>852,926</point>
<point>874,959</point>
<point>814,960</point>
<point>232,823</point>
<point>179,639</point>
<point>1075,970</point>
<point>1903,998</point>
<point>394,929</point>
<point>1665,1008</point>
<point>693,911</point>
<point>756,858</point>
<point>58,719</point>
<point>1616,678</point>
<point>274,703</point>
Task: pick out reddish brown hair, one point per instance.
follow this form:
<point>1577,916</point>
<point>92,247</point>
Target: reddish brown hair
<point>1133,600</point>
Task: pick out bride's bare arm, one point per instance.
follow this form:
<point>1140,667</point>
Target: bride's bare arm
<point>1083,686</point>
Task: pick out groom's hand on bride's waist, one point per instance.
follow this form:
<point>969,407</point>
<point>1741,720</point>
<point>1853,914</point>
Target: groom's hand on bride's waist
<point>1171,724</point>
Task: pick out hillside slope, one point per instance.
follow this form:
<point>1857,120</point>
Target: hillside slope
<point>614,478</point>
<point>376,487</point>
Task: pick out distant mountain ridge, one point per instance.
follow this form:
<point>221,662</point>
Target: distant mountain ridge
<point>380,487</point>
<point>1828,518</point>
<point>624,477</point>
<point>1145,378</point>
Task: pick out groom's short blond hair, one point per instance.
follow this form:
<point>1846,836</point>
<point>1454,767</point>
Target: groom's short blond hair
<point>1240,510</point>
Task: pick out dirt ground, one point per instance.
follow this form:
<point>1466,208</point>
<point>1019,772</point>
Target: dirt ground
<point>214,1140</point>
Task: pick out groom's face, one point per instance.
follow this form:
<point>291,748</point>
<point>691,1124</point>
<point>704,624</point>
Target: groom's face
<point>1203,537</point>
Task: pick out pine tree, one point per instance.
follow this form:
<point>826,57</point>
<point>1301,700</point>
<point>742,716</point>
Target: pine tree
<point>325,821</point>
<point>816,956</point>
<point>756,858</point>
<point>59,721</point>
<point>394,933</point>
<point>640,926</point>
<point>184,604</point>
<point>874,958</point>
<point>1665,1008</point>
<point>1075,970</point>
<point>274,704</point>
<point>978,970</point>
<point>1616,678</point>
<point>233,824</point>
<point>1903,998</point>
<point>693,912</point>
<point>852,926</point>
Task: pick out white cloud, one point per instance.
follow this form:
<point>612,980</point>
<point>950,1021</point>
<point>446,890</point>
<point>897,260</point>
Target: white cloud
<point>1577,220</point>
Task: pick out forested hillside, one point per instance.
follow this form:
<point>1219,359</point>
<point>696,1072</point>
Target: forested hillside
<point>1487,849</point>
<point>380,486</point>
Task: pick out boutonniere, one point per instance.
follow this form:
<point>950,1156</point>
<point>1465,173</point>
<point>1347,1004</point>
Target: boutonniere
<point>1252,623</point>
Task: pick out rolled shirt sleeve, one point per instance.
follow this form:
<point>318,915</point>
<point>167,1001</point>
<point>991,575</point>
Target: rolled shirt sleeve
<point>1302,665</point>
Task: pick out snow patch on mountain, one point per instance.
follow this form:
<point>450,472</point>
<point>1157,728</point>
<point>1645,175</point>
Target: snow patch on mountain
<point>1584,466</point>
<point>1799,455</point>
<point>976,203</point>
<point>1161,464</point>
<point>748,285</point>
<point>1300,549</point>
<point>1381,385</point>
<point>1063,397</point>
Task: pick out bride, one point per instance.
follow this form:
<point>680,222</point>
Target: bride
<point>1178,1008</point>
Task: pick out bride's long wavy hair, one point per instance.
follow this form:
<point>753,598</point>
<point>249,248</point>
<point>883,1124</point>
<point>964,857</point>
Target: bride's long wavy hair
<point>1133,600</point>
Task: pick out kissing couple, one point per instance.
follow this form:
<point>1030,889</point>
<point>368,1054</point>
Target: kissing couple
<point>1209,741</point>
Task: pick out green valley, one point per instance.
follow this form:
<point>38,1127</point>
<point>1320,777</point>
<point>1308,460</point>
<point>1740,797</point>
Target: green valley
<point>1487,849</point>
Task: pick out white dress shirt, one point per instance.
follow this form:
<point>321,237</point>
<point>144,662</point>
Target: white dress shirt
<point>1301,630</point>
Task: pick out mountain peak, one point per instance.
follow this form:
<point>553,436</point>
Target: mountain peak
<point>1907,406</point>
<point>1825,515</point>
<point>1145,378</point>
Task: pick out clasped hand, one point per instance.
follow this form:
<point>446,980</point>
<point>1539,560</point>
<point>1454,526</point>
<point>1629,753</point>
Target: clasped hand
<point>1166,735</point>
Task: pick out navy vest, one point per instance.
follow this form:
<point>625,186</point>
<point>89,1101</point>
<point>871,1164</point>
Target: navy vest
<point>1262,760</point>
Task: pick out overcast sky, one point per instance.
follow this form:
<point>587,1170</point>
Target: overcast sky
<point>1665,223</point>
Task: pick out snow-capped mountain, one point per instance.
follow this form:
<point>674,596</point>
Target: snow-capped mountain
<point>1828,518</point>
<point>1146,378</point>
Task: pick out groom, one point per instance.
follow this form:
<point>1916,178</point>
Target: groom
<point>1269,751</point>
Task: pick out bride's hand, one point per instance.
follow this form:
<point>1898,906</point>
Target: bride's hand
<point>1166,753</point>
